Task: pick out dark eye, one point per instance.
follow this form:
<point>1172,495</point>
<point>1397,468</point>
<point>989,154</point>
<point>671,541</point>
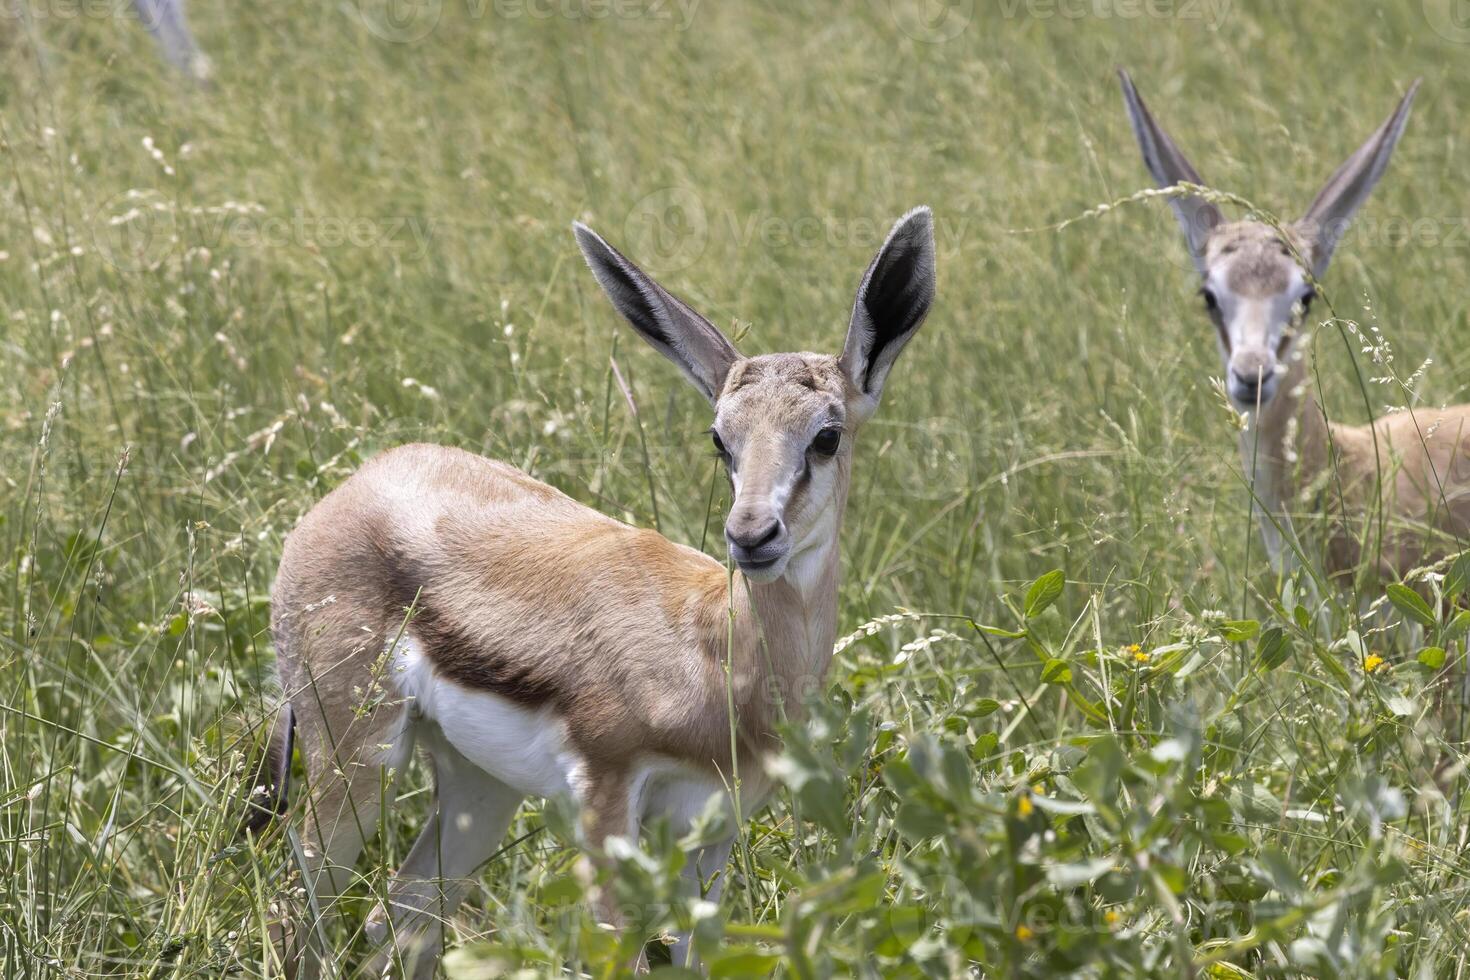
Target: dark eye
<point>827,441</point>
<point>719,445</point>
<point>1306,300</point>
<point>1211,303</point>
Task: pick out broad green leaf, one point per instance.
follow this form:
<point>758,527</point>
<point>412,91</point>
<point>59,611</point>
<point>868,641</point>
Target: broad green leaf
<point>845,893</point>
<point>1410,603</point>
<point>1432,657</point>
<point>1332,664</point>
<point>1254,803</point>
<point>824,801</point>
<point>1274,867</point>
<point>491,959</point>
<point>920,821</point>
<point>1273,649</point>
<point>1043,592</point>
<point>984,707</point>
<point>742,962</point>
<point>1056,672</point>
<point>1457,579</point>
<point>985,749</point>
<point>1172,876</point>
<point>1239,630</point>
<point>561,890</point>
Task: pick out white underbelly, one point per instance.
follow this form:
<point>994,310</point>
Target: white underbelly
<point>526,748</point>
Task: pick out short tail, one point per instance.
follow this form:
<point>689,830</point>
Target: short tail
<point>266,799</point>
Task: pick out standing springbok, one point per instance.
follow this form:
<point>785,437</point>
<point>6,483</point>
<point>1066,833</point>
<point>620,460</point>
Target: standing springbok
<point>1257,287</point>
<point>535,647</point>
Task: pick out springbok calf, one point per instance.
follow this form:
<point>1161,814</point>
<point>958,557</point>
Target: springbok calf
<point>535,647</point>
<point>1256,291</point>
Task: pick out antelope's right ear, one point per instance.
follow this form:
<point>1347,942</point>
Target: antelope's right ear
<point>694,344</point>
<point>1197,217</point>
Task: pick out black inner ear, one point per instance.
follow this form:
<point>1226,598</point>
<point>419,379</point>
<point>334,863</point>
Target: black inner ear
<point>631,301</point>
<point>895,300</point>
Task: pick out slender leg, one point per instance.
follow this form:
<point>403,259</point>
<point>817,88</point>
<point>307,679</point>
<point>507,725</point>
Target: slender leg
<point>473,813</point>
<point>704,875</point>
<point>344,800</point>
<point>339,820</point>
<point>610,807</point>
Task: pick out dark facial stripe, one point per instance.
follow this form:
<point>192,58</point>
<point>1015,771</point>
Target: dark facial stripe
<point>799,488</point>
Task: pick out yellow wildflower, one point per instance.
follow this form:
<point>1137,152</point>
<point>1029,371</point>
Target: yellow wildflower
<point>1372,662</point>
<point>1024,805</point>
<point>1024,933</point>
<point>1111,918</point>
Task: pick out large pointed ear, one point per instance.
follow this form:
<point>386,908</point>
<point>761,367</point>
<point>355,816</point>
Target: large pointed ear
<point>1197,217</point>
<point>1346,190</point>
<point>895,296</point>
<point>694,344</point>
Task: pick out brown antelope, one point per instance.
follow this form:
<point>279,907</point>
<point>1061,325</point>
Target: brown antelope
<point>1258,284</point>
<point>535,647</point>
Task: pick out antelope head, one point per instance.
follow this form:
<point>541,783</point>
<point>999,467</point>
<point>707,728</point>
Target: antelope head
<point>784,423</point>
<point>1257,283</point>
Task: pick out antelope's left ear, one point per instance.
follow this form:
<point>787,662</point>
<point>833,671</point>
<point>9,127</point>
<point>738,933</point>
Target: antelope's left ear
<point>895,296</point>
<point>1346,190</point>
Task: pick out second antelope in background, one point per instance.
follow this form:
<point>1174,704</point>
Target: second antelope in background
<point>1395,491</point>
<point>535,647</point>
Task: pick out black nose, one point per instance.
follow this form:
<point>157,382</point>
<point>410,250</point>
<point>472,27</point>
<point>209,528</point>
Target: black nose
<point>1248,383</point>
<point>749,539</point>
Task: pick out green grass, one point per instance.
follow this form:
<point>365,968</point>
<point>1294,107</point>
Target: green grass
<point>345,244</point>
